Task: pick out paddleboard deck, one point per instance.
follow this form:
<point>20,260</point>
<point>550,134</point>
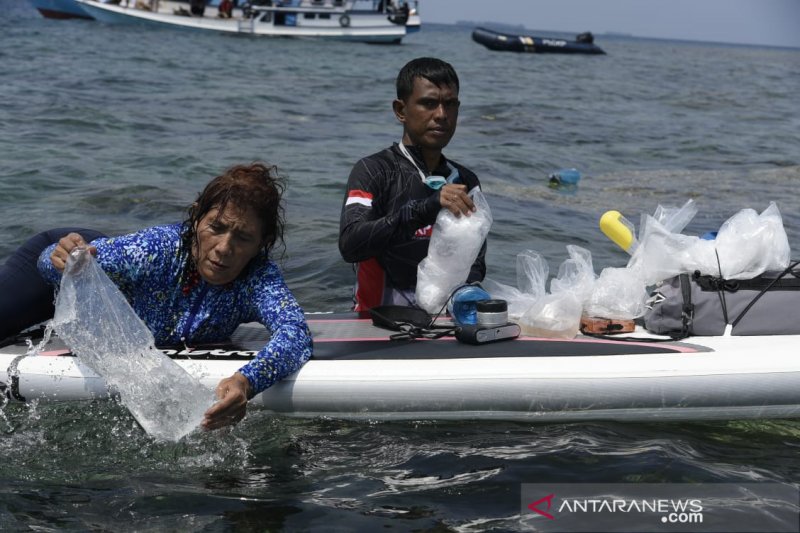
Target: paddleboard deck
<point>357,372</point>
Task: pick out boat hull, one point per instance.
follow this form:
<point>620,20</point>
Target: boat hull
<point>364,27</point>
<point>522,43</point>
<point>60,9</point>
<point>358,373</point>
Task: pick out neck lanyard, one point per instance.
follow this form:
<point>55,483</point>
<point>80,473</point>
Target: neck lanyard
<point>434,182</point>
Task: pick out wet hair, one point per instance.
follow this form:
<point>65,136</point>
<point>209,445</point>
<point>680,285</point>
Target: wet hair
<point>257,187</point>
<point>432,69</point>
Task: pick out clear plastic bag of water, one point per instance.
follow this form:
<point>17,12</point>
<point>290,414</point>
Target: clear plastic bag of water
<point>100,327</point>
<point>454,246</point>
<point>532,274</point>
<point>558,314</point>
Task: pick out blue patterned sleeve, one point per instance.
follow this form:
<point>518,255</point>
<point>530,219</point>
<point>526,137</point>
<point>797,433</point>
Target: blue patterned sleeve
<point>290,345</point>
<point>124,259</point>
<point>49,272</point>
<point>45,266</point>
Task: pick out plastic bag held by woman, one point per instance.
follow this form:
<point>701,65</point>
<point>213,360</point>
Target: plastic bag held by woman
<point>102,329</point>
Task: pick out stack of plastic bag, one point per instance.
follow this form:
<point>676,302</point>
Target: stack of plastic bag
<point>558,314</point>
<point>532,274</point>
<point>454,246</point>
<point>538,313</point>
<point>746,245</point>
<point>618,293</point>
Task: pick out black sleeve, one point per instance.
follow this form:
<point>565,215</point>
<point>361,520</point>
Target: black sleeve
<point>371,221</point>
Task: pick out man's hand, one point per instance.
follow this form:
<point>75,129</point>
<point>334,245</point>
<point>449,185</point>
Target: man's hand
<point>454,198</point>
<point>232,405</point>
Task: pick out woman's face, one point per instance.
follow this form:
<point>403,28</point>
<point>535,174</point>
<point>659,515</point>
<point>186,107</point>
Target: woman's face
<point>226,242</point>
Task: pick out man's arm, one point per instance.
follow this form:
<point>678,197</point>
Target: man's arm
<point>365,231</point>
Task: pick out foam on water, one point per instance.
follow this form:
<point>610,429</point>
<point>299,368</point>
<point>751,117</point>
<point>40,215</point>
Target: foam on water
<point>95,320</point>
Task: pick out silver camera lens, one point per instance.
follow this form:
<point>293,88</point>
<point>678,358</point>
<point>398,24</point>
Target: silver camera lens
<point>491,313</point>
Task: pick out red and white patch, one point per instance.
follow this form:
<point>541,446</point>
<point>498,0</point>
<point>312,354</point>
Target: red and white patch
<point>360,197</point>
<point>424,233</point>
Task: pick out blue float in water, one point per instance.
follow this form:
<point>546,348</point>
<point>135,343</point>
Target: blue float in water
<point>565,176</point>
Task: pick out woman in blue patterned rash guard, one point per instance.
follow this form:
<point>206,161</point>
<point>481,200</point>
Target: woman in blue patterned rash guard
<point>198,281</point>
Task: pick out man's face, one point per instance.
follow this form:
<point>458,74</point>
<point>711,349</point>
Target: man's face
<point>430,114</point>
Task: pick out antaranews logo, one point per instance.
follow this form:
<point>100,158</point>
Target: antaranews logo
<point>672,511</point>
<point>660,507</point>
<point>535,506</point>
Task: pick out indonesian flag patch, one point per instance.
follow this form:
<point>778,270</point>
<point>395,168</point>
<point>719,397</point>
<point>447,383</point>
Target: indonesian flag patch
<point>360,197</point>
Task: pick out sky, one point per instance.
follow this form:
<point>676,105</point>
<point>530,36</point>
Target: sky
<point>763,22</point>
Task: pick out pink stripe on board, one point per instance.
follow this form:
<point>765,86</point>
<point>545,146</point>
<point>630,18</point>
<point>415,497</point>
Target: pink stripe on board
<point>337,320</point>
<point>353,320</point>
<point>62,351</point>
<point>352,339</point>
<point>673,347</point>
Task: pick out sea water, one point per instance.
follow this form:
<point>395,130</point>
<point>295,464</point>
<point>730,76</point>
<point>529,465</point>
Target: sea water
<point>125,125</point>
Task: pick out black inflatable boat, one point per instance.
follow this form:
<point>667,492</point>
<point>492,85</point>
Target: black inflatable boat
<point>583,43</point>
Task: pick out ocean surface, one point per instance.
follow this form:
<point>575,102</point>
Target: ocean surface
<point>117,128</point>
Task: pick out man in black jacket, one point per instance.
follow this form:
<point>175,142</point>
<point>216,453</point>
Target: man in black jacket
<point>394,196</point>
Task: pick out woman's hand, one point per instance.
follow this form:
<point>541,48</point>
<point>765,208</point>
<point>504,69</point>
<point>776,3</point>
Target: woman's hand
<point>232,393</point>
<point>65,246</point>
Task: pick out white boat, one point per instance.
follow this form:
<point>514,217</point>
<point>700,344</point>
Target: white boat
<point>358,373</point>
<point>349,20</point>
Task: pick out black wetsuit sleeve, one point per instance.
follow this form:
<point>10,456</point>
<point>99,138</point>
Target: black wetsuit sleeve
<point>377,212</point>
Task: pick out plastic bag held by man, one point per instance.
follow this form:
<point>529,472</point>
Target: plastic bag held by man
<point>454,246</point>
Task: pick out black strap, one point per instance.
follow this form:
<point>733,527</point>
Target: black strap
<point>33,334</point>
<point>789,269</point>
<point>395,316</point>
<point>784,283</point>
<point>687,309</point>
<point>411,332</point>
<point>718,285</point>
<point>411,322</point>
<point>608,337</point>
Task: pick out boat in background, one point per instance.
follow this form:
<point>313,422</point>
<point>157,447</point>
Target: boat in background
<point>583,43</point>
<point>343,20</point>
<point>60,9</point>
